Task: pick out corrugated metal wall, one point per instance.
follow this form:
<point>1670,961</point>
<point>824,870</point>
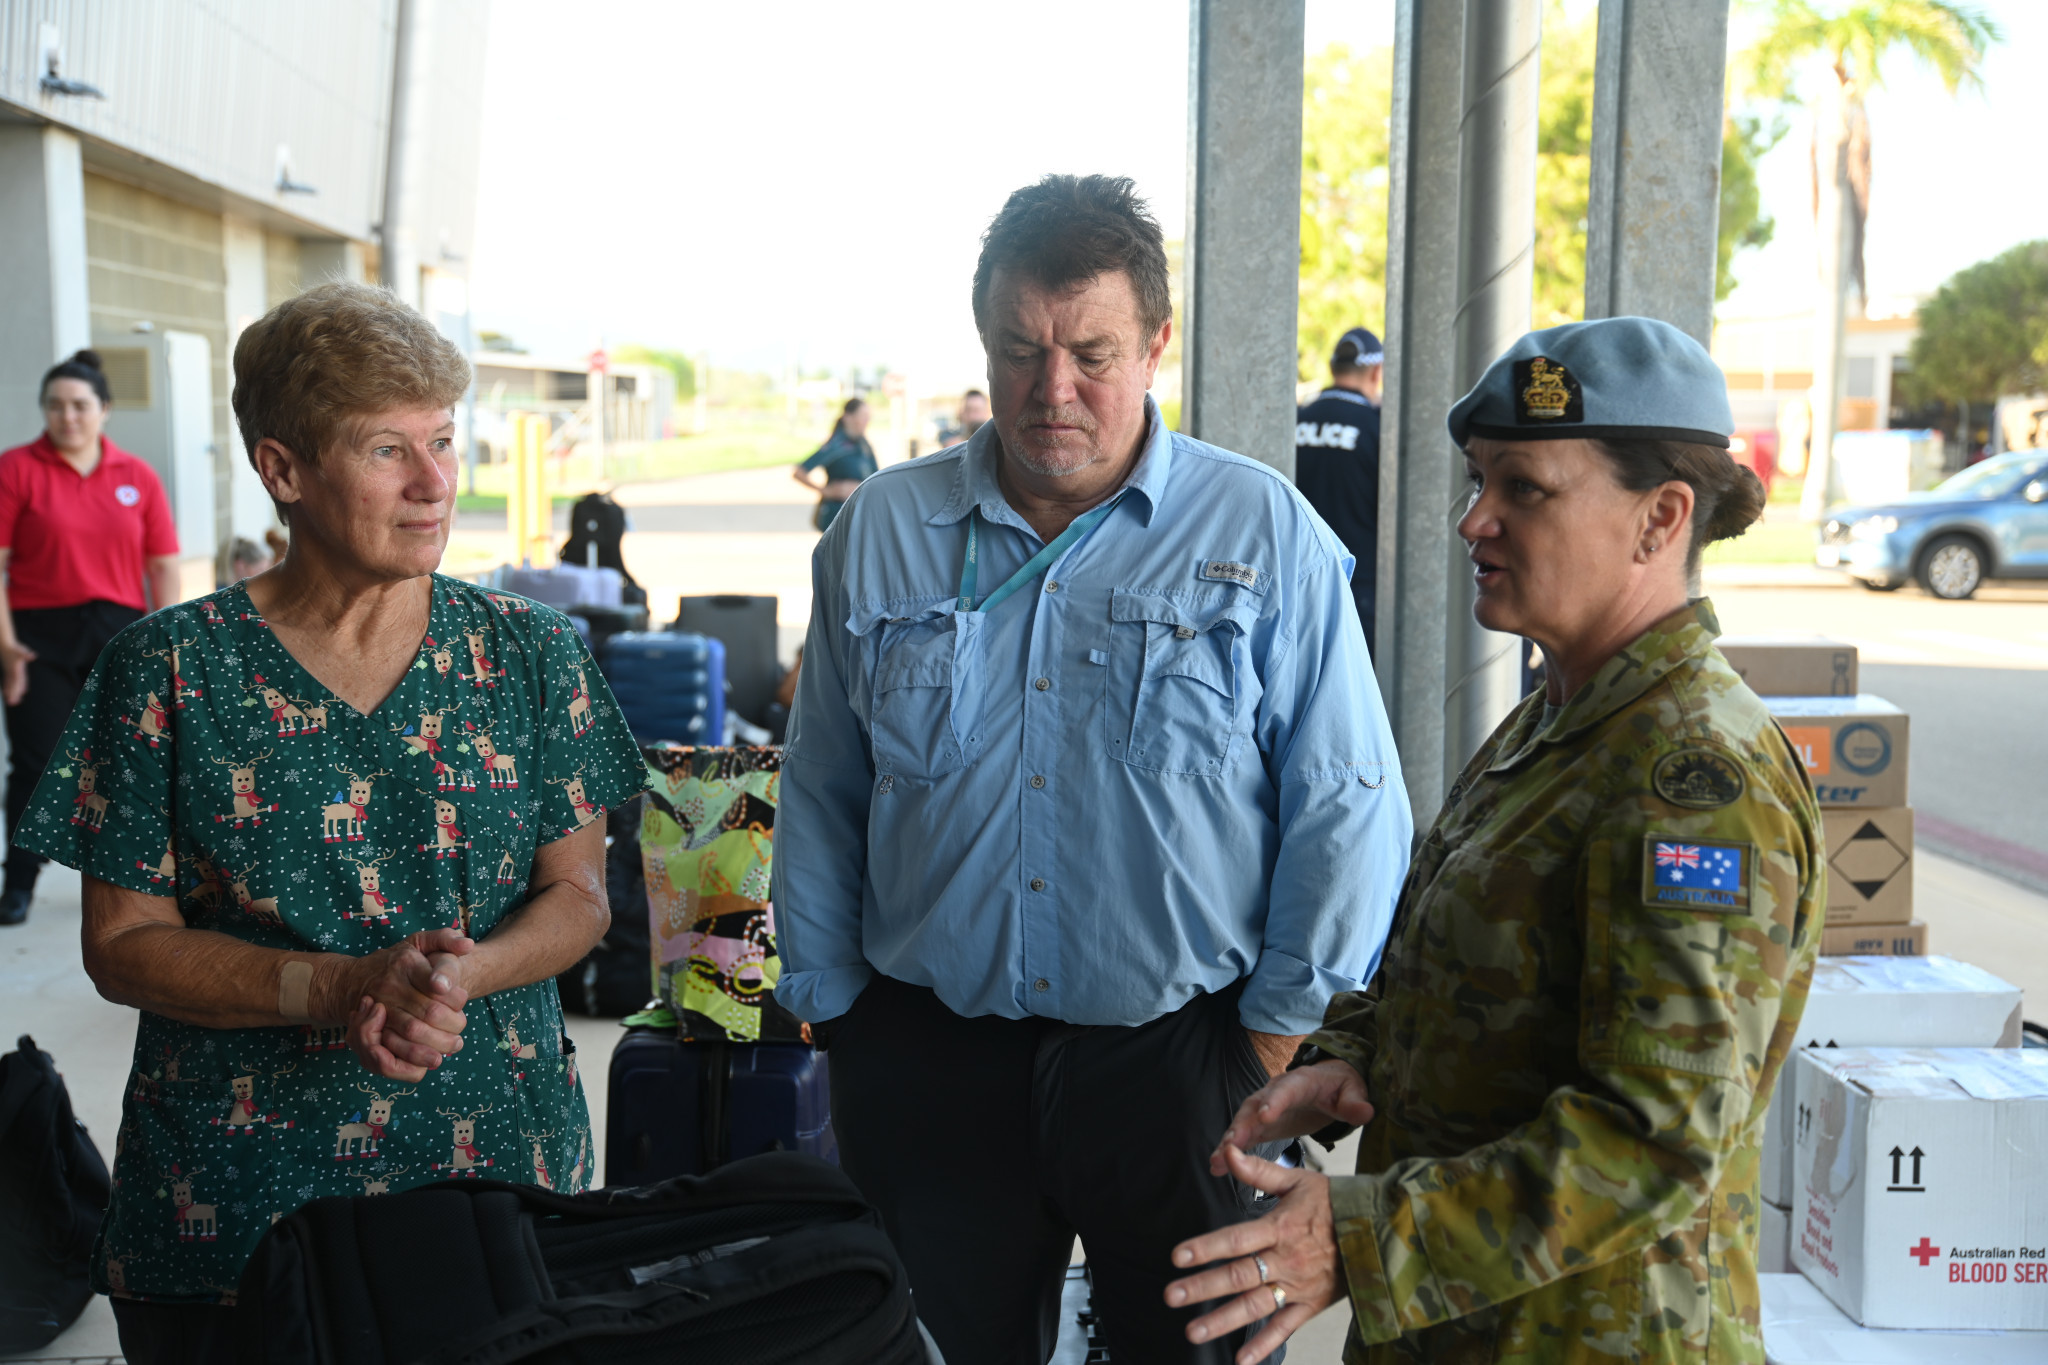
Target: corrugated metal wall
<point>215,87</point>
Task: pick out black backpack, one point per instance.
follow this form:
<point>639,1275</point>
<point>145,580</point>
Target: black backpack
<point>615,978</point>
<point>775,1260</point>
<point>597,520</point>
<point>53,1191</point>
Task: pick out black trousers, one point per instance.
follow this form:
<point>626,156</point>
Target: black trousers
<point>989,1143</point>
<point>67,642</point>
<point>175,1333</point>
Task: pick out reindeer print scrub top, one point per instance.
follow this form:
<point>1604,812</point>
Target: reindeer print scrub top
<point>204,763</point>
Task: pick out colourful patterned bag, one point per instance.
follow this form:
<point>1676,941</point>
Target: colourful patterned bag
<point>706,842</point>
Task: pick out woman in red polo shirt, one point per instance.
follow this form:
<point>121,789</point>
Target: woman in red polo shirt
<point>84,526</point>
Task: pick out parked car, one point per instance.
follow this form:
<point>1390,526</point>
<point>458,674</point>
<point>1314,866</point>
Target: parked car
<point>1989,521</point>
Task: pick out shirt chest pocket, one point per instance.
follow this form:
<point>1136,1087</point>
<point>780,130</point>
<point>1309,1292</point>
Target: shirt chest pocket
<point>1179,698</point>
<point>925,703</point>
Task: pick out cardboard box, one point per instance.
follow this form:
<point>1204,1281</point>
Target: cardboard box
<point>1854,747</point>
<point>1792,665</point>
<point>1923,1185</point>
<point>1886,1002</point>
<point>1801,1327</point>
<point>1870,865</point>
<point>1773,1240</point>
<point>1874,940</point>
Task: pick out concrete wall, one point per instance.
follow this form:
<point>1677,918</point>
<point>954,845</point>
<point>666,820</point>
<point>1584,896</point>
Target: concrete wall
<point>42,268</point>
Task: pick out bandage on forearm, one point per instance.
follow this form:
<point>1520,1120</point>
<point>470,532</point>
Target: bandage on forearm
<point>294,986</point>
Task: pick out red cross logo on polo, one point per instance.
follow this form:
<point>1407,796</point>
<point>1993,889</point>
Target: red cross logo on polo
<point>1924,1253</point>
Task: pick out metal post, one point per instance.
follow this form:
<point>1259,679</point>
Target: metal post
<point>1243,256</point>
<point>1496,278</point>
<point>1655,202</point>
<point>405,160</point>
<point>1420,483</point>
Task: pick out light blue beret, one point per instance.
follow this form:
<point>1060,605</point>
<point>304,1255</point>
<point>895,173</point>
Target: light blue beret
<point>1620,378</point>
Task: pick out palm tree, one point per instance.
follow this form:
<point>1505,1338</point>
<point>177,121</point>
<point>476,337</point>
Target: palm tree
<point>1854,39</point>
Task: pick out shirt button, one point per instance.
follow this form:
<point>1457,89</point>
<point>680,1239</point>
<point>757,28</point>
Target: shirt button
<point>1042,684</point>
<point>1037,780</point>
<point>1053,586</point>
<point>1041,985</point>
<point>1038,883</point>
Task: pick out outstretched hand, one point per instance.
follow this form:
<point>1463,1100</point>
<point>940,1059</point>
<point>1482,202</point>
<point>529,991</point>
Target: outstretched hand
<point>404,1007</point>
<point>1298,1243</point>
<point>1293,1105</point>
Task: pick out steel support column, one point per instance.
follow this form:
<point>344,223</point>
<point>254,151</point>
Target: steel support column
<point>1243,254</point>
<point>1496,279</point>
<point>1655,205</point>
<point>1421,484</point>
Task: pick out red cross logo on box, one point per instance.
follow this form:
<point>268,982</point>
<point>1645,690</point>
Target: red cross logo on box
<point>1926,1252</point>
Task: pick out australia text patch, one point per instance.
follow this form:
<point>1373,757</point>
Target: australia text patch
<point>1225,571</point>
<point>1696,874</point>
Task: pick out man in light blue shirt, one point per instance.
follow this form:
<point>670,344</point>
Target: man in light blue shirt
<point>1089,806</point>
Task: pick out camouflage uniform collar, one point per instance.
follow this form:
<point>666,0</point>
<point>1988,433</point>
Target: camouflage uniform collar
<point>1680,638</point>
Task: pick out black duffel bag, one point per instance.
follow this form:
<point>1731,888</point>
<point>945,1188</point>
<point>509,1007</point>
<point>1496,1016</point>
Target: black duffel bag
<point>615,978</point>
<point>773,1260</point>
<point>53,1190</point>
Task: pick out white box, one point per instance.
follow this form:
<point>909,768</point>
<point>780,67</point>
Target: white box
<point>1923,1185</point>
<point>1886,1002</point>
<point>1773,1240</point>
<point>1802,1328</point>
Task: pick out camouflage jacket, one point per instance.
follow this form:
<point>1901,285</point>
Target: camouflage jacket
<point>1596,968</point>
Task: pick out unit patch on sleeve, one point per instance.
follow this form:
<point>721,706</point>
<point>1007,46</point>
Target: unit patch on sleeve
<point>1697,779</point>
<point>1224,571</point>
<point>1696,874</point>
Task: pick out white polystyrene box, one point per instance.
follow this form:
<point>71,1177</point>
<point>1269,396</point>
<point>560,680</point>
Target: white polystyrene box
<point>1773,1240</point>
<point>1923,1185</point>
<point>1801,1327</point>
<point>1887,1002</point>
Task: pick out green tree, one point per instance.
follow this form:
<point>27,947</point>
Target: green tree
<point>1851,41</point>
<point>1985,331</point>
<point>1346,100</point>
<point>678,364</point>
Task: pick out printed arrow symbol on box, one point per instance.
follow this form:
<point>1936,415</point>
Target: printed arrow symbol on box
<point>1897,1156</point>
<point>1916,1154</point>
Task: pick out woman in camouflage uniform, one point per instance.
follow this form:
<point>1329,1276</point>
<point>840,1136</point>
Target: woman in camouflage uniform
<point>1604,943</point>
<point>334,868</point>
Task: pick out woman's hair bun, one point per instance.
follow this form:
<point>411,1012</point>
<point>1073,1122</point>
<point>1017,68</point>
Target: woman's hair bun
<point>88,358</point>
<point>1738,504</point>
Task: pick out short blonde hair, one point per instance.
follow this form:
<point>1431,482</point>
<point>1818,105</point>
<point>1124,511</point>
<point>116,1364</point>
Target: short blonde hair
<point>338,351</point>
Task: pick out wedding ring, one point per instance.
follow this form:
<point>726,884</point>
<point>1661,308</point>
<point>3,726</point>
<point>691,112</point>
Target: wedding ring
<point>1264,1274</point>
<point>1279,1297</point>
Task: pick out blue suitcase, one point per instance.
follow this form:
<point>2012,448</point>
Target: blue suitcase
<point>684,1107</point>
<point>670,687</point>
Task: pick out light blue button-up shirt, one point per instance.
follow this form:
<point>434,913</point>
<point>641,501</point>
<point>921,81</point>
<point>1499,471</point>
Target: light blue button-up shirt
<point>1160,768</point>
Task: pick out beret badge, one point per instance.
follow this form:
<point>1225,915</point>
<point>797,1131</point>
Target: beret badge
<point>1545,391</point>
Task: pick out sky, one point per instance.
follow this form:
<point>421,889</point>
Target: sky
<point>806,184</point>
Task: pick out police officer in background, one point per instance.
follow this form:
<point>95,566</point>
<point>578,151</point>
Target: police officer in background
<point>1604,945</point>
<point>1337,459</point>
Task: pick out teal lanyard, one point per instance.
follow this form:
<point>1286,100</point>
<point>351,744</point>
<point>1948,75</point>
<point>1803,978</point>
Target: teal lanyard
<point>970,567</point>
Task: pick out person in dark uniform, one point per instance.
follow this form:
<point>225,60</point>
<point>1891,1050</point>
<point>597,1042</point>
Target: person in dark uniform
<point>1337,459</point>
<point>87,545</point>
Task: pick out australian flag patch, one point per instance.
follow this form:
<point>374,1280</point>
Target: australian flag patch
<point>1696,874</point>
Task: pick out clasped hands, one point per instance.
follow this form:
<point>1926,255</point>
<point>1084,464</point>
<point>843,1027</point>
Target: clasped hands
<point>403,1004</point>
<point>1293,1249</point>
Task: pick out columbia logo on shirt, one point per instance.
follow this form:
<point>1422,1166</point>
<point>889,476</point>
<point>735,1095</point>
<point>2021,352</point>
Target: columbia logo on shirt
<point>1334,435</point>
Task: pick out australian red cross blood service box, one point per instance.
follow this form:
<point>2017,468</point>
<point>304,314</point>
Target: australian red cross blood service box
<point>1870,865</point>
<point>1792,665</point>
<point>1923,1185</point>
<point>1854,748</point>
<point>1886,1002</point>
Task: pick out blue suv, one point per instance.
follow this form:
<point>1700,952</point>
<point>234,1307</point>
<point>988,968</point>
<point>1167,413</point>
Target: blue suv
<point>1990,521</point>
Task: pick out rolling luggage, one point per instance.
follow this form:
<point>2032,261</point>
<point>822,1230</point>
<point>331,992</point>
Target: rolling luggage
<point>774,1260</point>
<point>684,1107</point>
<point>746,626</point>
<point>670,687</point>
